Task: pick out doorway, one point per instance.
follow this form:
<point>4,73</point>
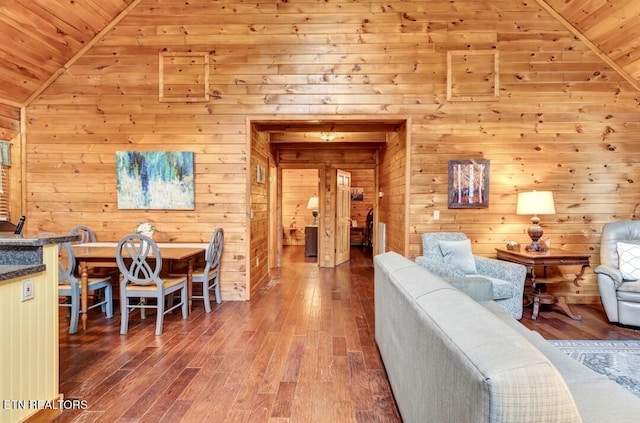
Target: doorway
<point>299,206</point>
<point>379,144</point>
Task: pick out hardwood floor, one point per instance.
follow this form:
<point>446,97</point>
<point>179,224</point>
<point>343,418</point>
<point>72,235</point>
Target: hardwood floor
<point>302,350</point>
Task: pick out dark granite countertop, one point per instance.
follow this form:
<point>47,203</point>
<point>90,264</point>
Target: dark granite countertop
<point>26,250</point>
<point>15,271</point>
<point>33,240</point>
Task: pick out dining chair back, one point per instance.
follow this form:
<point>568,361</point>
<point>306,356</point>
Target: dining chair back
<point>140,262</point>
<point>210,275</point>
<point>86,234</point>
<point>69,288</point>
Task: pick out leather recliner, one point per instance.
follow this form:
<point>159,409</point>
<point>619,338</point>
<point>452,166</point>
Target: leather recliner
<point>620,297</point>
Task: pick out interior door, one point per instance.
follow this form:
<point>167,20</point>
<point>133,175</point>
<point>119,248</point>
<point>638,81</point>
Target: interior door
<point>343,215</point>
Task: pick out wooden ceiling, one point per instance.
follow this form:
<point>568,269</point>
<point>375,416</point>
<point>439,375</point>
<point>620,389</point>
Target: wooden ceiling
<point>42,38</point>
<point>611,27</point>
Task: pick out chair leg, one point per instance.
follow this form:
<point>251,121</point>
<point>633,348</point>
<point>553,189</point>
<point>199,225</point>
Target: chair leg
<point>143,311</point>
<point>108,295</point>
<point>217,289</point>
<point>75,314</point>
<point>185,302</point>
<point>124,314</point>
<point>205,296</point>
<point>160,317</point>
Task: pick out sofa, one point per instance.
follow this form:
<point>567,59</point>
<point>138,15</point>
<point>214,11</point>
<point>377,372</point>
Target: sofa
<point>450,358</point>
<point>449,255</point>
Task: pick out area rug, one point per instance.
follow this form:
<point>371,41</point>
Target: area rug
<point>618,360</point>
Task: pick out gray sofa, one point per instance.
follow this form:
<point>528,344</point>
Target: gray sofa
<point>450,358</point>
<point>457,262</point>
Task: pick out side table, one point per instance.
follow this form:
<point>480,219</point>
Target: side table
<point>555,258</point>
<point>311,241</point>
<point>356,235</point>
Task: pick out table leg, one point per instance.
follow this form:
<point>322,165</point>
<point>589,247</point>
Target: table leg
<point>561,302</point>
<point>84,290</point>
<point>578,278</point>
<point>536,308</point>
<point>190,283</point>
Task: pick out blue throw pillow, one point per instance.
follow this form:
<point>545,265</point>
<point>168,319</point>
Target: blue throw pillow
<point>459,253</point>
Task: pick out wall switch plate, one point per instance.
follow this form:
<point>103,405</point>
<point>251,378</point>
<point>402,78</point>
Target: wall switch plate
<point>26,290</point>
<point>436,215</point>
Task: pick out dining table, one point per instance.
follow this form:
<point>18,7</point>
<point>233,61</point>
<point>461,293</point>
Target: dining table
<point>104,254</point>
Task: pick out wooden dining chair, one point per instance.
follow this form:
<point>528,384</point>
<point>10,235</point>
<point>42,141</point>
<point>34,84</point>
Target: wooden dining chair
<point>97,269</point>
<point>140,262</point>
<point>69,288</point>
<point>86,234</point>
<point>209,275</point>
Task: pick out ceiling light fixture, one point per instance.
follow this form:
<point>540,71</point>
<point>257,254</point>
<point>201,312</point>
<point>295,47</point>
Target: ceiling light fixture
<point>328,136</point>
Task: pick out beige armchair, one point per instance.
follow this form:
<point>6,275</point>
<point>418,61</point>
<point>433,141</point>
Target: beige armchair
<point>618,282</point>
<point>507,279</point>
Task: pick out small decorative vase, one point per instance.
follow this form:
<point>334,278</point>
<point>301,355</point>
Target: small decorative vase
<point>146,229</point>
<point>150,235</point>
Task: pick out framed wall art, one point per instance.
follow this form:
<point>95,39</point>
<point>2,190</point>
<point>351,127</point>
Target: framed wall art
<point>155,180</point>
<point>260,174</point>
<point>468,184</point>
<point>357,194</point>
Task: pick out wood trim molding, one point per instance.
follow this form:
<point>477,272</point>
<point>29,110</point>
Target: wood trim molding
<point>472,59</point>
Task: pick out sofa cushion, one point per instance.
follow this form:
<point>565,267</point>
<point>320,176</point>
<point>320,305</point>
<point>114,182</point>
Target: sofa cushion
<point>459,253</point>
<point>478,288</point>
<point>481,354</point>
<point>501,288</point>
<point>629,260</point>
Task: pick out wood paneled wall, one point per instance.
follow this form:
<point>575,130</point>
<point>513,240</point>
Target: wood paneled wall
<point>364,179</point>
<point>325,159</point>
<point>298,185</point>
<point>393,185</point>
<point>10,130</point>
<point>257,256</point>
<point>9,122</point>
<point>563,120</point>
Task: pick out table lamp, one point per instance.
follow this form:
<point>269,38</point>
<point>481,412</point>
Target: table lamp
<point>313,206</point>
<point>535,203</point>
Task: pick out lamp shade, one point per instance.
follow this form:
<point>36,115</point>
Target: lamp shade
<point>535,202</point>
<point>313,203</point>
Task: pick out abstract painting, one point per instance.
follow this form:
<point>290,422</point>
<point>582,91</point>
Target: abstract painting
<point>468,184</point>
<point>155,180</point>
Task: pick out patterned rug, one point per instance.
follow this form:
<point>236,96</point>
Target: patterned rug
<point>618,360</point>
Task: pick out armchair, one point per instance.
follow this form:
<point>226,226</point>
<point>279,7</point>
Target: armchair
<point>454,261</point>
<point>618,279</point>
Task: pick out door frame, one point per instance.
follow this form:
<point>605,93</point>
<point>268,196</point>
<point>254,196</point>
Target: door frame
<point>404,121</point>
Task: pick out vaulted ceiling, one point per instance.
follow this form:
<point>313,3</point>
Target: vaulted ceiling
<point>42,38</point>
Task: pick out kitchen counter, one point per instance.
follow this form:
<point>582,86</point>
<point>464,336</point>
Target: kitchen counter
<point>27,249</point>
<point>29,321</point>
<point>11,271</point>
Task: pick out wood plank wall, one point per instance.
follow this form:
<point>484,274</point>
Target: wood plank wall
<point>257,257</point>
<point>563,120</point>
<point>327,158</point>
<point>393,185</point>
<point>10,131</point>
<point>9,122</point>
<point>298,185</point>
<point>365,179</point>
